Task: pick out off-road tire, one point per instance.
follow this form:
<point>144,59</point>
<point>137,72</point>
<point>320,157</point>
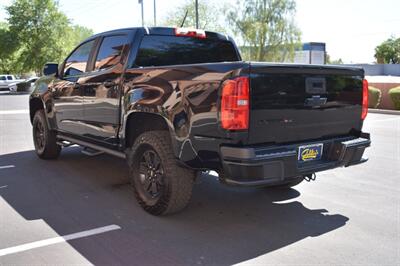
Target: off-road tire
<point>44,139</point>
<point>177,181</point>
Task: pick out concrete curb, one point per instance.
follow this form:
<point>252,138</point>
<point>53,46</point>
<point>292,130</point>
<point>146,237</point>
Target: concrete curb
<point>382,111</point>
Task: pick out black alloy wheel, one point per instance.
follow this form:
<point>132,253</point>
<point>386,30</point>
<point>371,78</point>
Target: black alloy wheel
<point>39,136</point>
<point>161,186</point>
<point>45,139</point>
<point>151,174</point>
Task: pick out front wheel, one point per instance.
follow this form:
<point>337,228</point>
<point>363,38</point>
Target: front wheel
<point>44,139</point>
<point>161,186</point>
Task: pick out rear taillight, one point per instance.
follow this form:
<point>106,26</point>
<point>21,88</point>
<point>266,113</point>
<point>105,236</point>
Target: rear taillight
<point>364,111</point>
<point>235,104</point>
<point>185,32</point>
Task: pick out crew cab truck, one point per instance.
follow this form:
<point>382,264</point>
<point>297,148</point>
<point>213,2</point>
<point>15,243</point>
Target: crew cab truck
<point>8,83</point>
<point>175,102</point>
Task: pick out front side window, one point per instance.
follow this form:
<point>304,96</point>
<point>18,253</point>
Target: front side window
<point>76,63</point>
<point>2,77</point>
<point>9,77</point>
<point>110,51</point>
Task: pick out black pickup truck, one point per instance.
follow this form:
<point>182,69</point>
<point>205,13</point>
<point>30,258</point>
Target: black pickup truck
<point>176,102</point>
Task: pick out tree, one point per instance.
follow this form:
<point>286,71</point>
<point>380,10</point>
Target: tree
<point>43,33</point>
<point>266,28</point>
<point>331,61</point>
<point>388,52</point>
<point>208,16</point>
<point>40,29</point>
<point>8,47</point>
<point>75,34</point>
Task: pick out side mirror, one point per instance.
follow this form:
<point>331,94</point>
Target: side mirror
<point>50,69</point>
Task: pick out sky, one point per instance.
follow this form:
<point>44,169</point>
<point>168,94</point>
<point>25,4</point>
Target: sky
<point>350,28</point>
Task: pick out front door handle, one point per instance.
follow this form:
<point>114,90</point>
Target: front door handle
<point>54,93</point>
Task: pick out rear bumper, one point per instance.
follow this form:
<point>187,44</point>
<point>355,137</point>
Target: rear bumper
<point>253,166</point>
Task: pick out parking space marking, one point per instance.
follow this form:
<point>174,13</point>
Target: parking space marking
<point>14,112</point>
<point>7,167</point>
<point>56,240</point>
<point>3,187</point>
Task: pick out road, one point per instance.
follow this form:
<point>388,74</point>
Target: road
<point>81,210</point>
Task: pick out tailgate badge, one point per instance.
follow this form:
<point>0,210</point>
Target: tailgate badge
<point>315,101</point>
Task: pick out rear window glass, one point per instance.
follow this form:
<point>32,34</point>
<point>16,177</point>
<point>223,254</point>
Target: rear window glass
<point>110,51</point>
<point>172,50</point>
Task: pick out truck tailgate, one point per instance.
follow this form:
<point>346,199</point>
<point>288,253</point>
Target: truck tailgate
<point>291,103</point>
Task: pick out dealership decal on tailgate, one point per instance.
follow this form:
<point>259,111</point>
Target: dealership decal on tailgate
<point>310,152</point>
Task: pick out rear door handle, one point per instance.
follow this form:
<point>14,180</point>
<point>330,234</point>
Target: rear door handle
<point>109,84</point>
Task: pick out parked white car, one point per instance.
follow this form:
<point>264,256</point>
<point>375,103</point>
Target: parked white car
<point>9,83</point>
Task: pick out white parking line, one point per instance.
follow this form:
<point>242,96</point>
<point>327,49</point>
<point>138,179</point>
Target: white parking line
<point>56,240</point>
<point>7,166</point>
<point>14,112</point>
<point>3,187</point>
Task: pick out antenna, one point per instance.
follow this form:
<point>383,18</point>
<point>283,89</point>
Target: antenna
<point>184,19</point>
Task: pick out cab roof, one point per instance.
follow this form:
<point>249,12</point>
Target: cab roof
<point>168,31</point>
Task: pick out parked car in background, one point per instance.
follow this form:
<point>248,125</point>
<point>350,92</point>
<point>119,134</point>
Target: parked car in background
<point>8,82</point>
<point>24,86</point>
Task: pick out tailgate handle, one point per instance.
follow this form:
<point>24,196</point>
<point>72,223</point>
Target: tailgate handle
<point>315,85</point>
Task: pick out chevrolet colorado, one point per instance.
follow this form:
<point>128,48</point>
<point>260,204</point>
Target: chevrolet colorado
<point>175,102</point>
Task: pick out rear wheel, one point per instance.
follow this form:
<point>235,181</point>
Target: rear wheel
<point>161,186</point>
<point>44,139</point>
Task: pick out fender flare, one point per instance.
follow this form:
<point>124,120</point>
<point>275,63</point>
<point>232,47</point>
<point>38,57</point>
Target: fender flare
<point>31,114</point>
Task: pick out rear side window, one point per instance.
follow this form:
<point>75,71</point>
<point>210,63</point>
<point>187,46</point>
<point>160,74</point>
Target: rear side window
<point>172,50</point>
<point>110,51</point>
<point>2,77</point>
<point>76,63</point>
<point>9,77</point>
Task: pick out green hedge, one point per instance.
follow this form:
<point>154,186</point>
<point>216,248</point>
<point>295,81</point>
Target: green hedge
<point>395,96</point>
<point>374,97</point>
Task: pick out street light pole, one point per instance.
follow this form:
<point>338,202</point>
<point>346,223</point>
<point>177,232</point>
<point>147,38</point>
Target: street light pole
<point>141,2</point>
<point>197,14</point>
<point>155,13</point>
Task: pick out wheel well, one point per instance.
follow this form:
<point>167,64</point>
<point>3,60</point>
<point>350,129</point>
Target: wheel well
<point>139,123</point>
<point>34,105</point>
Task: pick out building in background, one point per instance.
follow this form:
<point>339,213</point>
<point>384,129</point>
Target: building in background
<point>311,53</point>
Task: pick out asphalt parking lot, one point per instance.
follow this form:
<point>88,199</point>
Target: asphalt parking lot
<point>81,210</point>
